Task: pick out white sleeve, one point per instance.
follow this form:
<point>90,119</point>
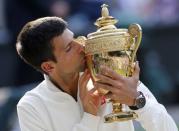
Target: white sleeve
<point>88,123</point>
<point>29,121</point>
<point>153,116</point>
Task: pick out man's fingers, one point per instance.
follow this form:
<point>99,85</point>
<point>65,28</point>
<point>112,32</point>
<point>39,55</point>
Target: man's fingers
<point>83,81</point>
<point>95,107</point>
<point>105,79</point>
<point>82,77</point>
<point>105,86</point>
<point>96,99</point>
<point>136,70</point>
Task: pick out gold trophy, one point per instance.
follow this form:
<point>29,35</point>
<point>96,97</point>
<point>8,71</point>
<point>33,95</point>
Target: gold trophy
<point>115,48</point>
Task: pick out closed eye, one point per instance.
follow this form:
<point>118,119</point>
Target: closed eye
<point>68,47</point>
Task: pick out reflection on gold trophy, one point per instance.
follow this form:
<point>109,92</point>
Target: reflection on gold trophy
<point>115,48</point>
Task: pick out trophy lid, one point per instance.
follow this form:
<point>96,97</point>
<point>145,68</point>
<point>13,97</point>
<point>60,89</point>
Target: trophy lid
<point>108,38</point>
<point>106,25</point>
<point>105,19</point>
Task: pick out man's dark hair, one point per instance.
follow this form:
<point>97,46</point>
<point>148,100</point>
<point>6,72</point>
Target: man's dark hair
<point>34,42</point>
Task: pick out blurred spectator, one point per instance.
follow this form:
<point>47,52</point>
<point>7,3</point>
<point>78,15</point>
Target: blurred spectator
<point>4,38</point>
<point>157,76</point>
<point>167,12</point>
<point>148,12</point>
<point>81,21</point>
<point>19,12</point>
<point>9,97</point>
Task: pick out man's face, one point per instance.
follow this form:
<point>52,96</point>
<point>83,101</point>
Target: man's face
<point>69,54</point>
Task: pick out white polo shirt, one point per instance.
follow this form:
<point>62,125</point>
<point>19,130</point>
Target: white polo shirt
<point>46,108</point>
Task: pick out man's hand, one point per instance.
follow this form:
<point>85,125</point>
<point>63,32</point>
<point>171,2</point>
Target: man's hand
<point>89,98</point>
<point>123,89</point>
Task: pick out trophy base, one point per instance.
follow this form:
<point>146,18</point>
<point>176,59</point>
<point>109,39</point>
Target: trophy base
<point>120,116</point>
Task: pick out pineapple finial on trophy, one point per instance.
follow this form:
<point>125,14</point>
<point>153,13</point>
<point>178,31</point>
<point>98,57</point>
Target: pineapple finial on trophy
<point>105,19</point>
<point>105,11</point>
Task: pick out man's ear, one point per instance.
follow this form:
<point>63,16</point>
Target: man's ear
<point>47,67</point>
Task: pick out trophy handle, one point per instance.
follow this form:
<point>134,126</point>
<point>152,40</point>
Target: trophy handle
<point>82,40</point>
<point>135,31</point>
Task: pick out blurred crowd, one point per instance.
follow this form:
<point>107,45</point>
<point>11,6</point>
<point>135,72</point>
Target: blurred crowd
<point>157,55</point>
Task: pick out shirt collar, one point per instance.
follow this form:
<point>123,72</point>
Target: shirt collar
<point>50,85</point>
